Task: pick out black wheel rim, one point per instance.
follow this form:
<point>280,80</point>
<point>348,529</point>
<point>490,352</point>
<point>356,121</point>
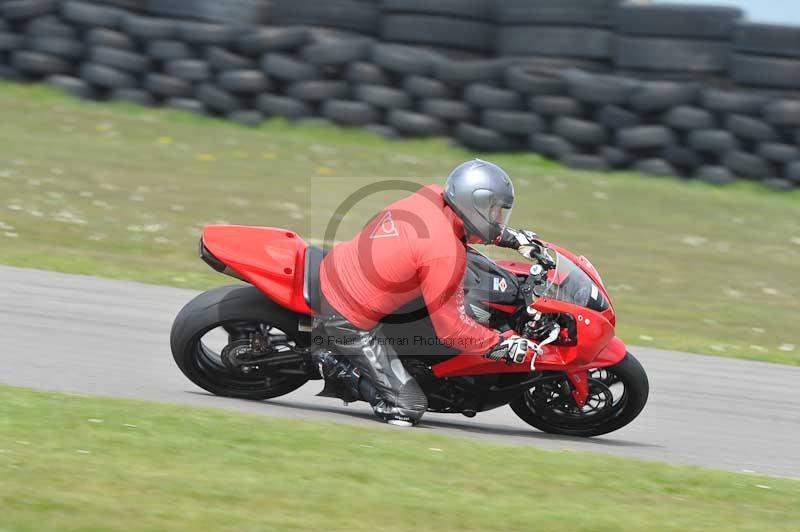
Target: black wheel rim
<point>552,402</point>
<point>207,358</point>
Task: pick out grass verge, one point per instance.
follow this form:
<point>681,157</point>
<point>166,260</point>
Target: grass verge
<point>77,463</point>
<point>119,191</point>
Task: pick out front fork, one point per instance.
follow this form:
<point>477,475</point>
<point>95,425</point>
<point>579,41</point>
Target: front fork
<point>580,386</point>
<point>579,379</point>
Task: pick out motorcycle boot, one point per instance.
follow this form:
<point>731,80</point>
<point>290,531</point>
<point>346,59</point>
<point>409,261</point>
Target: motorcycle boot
<point>341,378</point>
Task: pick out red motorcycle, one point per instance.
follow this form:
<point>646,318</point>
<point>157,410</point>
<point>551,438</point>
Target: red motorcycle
<point>254,340</point>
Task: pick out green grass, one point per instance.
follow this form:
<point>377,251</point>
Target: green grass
<point>122,192</point>
<point>76,463</point>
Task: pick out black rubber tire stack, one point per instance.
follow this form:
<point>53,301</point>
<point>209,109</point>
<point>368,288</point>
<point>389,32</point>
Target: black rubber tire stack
<point>594,121</point>
<point>446,98</point>
<point>24,55</point>
<point>461,29</point>
<point>674,41</point>
<point>566,33</point>
<point>375,88</point>
<point>440,86</point>
<point>189,61</point>
<point>234,12</point>
<point>331,95</point>
<point>359,71</point>
<point>766,143</point>
<point>278,54</point>
<point>308,68</point>
<point>359,16</point>
<point>412,69</point>
<point>498,122</point>
<point>139,6</point>
<point>784,153</point>
<point>113,61</point>
<point>766,56</point>
<point>110,60</point>
<point>602,98</point>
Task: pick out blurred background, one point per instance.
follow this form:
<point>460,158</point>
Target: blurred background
<point>659,139</point>
<point>700,96</point>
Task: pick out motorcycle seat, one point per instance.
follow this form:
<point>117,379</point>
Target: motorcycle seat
<point>311,289</point>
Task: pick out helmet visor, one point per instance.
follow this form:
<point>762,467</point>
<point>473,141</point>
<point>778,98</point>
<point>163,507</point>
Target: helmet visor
<point>500,214</point>
<point>491,208</point>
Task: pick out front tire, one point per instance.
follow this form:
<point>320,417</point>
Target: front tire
<point>548,410</point>
<point>233,309</point>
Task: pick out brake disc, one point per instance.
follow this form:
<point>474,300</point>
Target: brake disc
<point>555,402</point>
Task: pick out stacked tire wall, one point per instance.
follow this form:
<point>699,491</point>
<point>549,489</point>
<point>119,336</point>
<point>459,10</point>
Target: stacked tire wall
<point>674,41</point>
<point>577,33</point>
<point>398,68</point>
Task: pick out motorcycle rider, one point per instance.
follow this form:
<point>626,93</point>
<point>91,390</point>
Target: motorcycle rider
<point>415,246</point>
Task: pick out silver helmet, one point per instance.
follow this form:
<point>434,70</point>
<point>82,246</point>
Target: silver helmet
<point>481,194</point>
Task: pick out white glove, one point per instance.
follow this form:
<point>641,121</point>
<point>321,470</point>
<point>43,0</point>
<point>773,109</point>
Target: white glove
<point>525,241</point>
<point>513,349</point>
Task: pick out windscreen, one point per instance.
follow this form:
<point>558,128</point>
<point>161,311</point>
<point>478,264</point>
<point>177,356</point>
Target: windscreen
<point>568,283</point>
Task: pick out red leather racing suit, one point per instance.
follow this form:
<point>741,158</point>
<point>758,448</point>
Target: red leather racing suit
<point>414,247</point>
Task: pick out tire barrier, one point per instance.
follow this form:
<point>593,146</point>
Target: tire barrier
<point>422,78</point>
<point>766,56</point>
<point>673,41</point>
<point>238,12</point>
<point>565,33</point>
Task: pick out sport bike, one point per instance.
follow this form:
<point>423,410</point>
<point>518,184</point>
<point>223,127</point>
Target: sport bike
<point>253,340</point>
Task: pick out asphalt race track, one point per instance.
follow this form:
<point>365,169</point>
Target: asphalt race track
<point>111,338</point>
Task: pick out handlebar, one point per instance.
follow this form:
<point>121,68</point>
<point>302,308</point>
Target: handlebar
<point>508,239</point>
<point>528,244</point>
<point>514,239</point>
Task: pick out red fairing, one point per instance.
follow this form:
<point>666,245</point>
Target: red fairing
<point>464,365</point>
<point>612,354</point>
<point>271,259</point>
<point>595,332</point>
<point>597,347</point>
<point>555,358</point>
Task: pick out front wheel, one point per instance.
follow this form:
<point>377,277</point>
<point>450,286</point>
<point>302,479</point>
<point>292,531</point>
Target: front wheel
<point>233,341</point>
<point>617,394</point>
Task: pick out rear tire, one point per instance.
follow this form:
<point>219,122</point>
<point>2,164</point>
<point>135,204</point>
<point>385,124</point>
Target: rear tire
<point>624,409</point>
<point>231,304</point>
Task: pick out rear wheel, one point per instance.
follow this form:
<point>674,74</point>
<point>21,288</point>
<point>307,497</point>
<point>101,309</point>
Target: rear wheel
<point>234,342</point>
<point>617,394</point>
